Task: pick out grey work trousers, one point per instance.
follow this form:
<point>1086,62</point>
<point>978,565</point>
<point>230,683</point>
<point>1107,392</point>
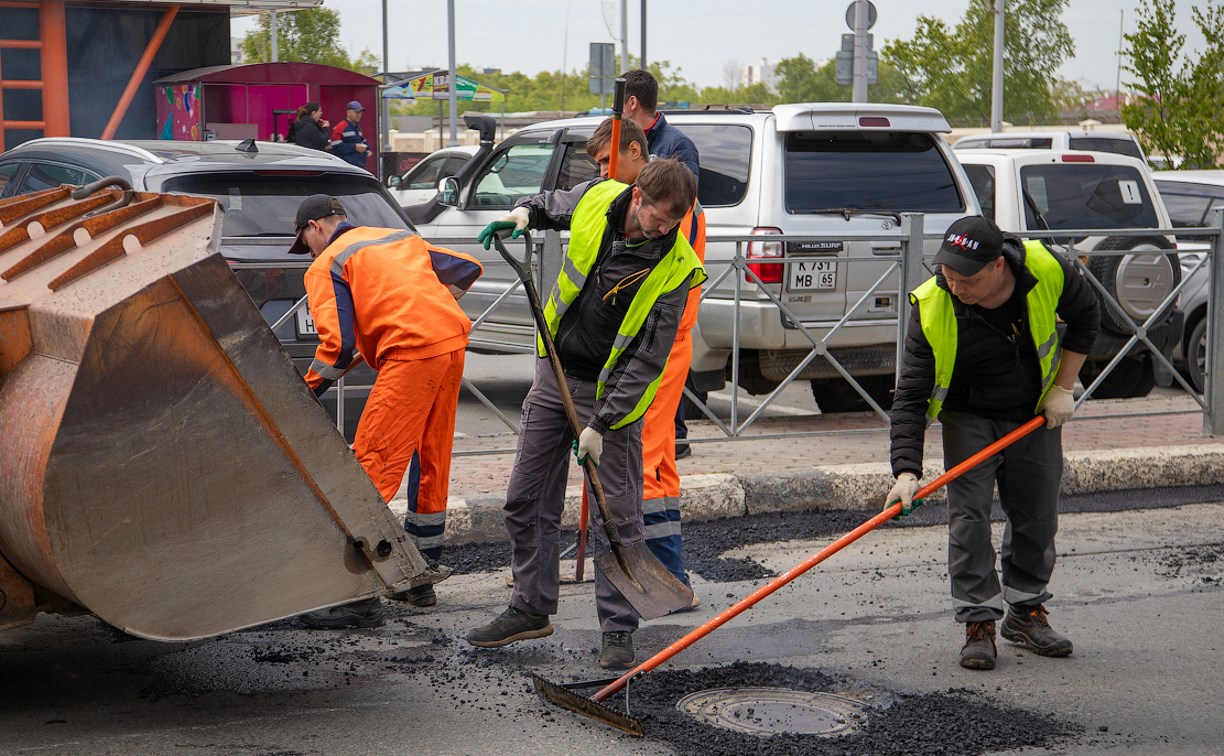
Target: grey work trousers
<point>1028,473</point>
<point>536,496</point>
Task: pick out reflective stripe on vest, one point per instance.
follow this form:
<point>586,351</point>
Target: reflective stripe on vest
<point>938,319</point>
<point>587,229</point>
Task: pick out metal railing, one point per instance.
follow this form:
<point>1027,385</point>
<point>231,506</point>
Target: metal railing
<point>898,273</point>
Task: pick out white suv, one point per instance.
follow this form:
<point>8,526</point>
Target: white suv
<point>1026,190</point>
<point>823,169</point>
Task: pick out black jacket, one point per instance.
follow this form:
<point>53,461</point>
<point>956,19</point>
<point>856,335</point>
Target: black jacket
<point>308,132</point>
<point>997,374</point>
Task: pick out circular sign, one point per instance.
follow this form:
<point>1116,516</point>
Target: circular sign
<point>871,15</point>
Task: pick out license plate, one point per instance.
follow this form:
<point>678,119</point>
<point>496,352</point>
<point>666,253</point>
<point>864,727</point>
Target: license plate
<point>305,323</point>
<point>812,275</point>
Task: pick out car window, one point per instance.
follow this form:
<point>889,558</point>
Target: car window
<point>982,177</point>
<point>576,166</point>
<point>1099,144</point>
<point>265,205</point>
<point>724,154</point>
<point>426,175</point>
<point>50,175</point>
<point>454,164</point>
<point>7,174</point>
<point>1087,195</point>
<point>514,173</point>
<point>1186,210</point>
<point>892,171</point>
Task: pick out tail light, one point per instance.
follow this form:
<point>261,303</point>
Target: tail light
<point>767,272</point>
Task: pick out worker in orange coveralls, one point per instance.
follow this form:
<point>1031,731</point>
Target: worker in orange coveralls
<point>387,296</point>
<point>661,489</point>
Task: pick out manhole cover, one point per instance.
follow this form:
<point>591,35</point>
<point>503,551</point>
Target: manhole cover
<point>774,711</point>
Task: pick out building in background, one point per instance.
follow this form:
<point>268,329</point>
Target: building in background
<point>762,73</point>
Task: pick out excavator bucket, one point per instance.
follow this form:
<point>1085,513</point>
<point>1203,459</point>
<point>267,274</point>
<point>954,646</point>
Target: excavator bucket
<point>162,463</point>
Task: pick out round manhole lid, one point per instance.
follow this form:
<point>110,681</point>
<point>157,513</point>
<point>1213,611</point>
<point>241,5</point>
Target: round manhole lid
<point>775,711</point>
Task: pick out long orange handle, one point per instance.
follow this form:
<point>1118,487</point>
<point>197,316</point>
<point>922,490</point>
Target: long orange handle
<point>735,609</point>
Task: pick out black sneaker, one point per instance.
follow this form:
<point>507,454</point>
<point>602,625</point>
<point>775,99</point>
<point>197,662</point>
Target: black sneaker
<point>617,651</point>
<point>421,595</point>
<point>683,450</point>
<point>513,625</point>
<point>368,613</point>
<point>1028,626</point>
<point>979,650</point>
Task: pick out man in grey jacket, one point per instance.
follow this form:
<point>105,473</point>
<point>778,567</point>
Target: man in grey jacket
<point>613,314</point>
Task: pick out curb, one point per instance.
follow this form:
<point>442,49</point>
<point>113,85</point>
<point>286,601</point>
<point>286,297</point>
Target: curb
<point>854,487</point>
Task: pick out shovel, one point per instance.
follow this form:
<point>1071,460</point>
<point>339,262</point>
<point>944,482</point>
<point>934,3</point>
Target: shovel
<point>618,107</point>
<point>641,578</point>
<point>563,695</point>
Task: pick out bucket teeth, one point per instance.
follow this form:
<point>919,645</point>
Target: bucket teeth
<point>586,707</point>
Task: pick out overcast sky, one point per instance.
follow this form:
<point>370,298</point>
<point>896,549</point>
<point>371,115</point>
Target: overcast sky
<point>700,37</point>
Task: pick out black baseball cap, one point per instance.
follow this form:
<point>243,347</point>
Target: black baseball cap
<point>970,244</point>
<point>314,207</point>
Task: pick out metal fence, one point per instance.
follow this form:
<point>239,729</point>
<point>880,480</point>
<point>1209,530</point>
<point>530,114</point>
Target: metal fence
<point>899,273</point>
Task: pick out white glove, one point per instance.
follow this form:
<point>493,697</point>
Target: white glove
<point>903,490</point>
<point>1058,406</point>
<point>514,221</point>
<point>589,446</point>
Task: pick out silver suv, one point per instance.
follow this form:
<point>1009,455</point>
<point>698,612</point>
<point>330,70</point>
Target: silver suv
<point>814,169</point>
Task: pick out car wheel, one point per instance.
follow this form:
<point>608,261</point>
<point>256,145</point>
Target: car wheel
<point>1196,356</point>
<point>837,395</point>
<point>1132,377</point>
<point>1139,282</point>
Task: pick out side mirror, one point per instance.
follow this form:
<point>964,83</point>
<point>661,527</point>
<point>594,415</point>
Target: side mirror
<point>393,182</point>
<point>448,192</point>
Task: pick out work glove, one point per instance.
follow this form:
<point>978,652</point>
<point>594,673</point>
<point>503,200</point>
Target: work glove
<point>1058,406</point>
<point>588,446</point>
<point>516,219</point>
<point>903,491</point>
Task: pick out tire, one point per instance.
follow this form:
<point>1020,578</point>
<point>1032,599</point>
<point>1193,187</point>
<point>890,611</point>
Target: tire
<point>751,379</point>
<point>837,395</point>
<point>1144,279</point>
<point>1196,356</point>
<point>1133,377</point>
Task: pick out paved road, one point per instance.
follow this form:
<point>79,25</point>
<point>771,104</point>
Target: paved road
<point>1138,591</point>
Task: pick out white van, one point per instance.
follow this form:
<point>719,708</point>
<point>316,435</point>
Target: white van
<point>1118,142</point>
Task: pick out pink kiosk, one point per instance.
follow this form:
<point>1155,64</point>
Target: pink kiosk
<point>258,101</point>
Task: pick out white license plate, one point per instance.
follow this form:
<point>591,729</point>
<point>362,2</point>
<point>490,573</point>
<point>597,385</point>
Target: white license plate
<point>811,275</point>
<point>305,323</point>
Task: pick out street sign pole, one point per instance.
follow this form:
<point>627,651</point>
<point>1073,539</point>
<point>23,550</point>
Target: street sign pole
<point>859,92</point>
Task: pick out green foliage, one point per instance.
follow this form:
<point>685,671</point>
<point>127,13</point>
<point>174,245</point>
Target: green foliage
<point>307,36</point>
<point>951,68</point>
<point>1182,100</point>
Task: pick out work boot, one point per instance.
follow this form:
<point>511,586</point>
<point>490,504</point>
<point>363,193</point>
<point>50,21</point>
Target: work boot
<point>617,651</point>
<point>979,649</point>
<point>1028,626</point>
<point>512,625</point>
<point>368,613</point>
<point>421,595</point>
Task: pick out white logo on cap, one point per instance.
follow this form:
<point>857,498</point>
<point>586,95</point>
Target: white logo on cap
<point>962,241</point>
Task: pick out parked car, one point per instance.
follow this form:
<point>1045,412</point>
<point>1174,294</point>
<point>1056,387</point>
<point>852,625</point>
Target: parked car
<point>1190,197</point>
<point>1028,190</point>
<point>800,169</point>
<point>258,185</point>
<point>419,183</point>
<point>1120,142</point>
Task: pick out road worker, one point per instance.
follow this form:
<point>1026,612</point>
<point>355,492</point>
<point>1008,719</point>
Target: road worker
<point>388,297</point>
<point>983,356</point>
<point>614,313</point>
<point>661,486</point>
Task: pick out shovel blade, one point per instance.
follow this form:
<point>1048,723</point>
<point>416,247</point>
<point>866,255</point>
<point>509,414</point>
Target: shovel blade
<point>643,580</point>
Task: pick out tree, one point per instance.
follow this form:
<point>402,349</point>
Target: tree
<point>1181,101</point>
<point>800,80</point>
<point>308,36</point>
<point>951,68</point>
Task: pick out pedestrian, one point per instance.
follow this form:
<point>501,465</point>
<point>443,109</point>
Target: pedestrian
<point>309,129</point>
<point>661,485</point>
<point>983,356</point>
<point>388,297</point>
<point>347,141</point>
<point>663,141</point>
<point>614,312</point>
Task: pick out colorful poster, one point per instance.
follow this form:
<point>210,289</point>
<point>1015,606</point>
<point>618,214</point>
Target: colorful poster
<point>178,112</point>
<point>434,86</point>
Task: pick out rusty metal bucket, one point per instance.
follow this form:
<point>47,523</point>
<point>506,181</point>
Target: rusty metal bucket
<point>162,463</point>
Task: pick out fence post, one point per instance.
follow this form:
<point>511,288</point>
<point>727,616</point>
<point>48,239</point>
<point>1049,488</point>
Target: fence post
<point>908,278</point>
<point>1213,419</point>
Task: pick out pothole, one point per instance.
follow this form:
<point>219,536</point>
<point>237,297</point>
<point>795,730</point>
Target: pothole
<point>775,711</point>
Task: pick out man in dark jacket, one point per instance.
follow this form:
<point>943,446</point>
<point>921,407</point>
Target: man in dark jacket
<point>982,356</point>
<point>347,141</point>
<point>614,312</point>
<point>642,107</point>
